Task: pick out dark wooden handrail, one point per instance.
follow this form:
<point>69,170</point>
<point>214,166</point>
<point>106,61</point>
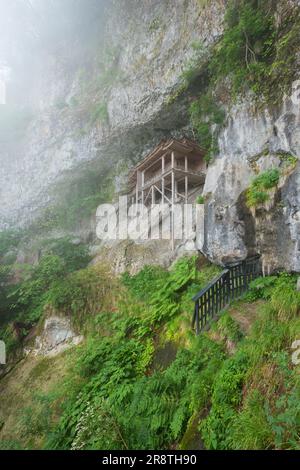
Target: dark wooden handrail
<point>202,292</point>
<point>231,284</point>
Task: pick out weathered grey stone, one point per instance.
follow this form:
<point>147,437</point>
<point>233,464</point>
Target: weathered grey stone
<point>150,61</point>
<point>152,54</point>
<point>231,231</point>
<point>56,337</point>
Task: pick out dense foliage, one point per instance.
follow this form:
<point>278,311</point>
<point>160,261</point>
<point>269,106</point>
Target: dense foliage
<point>256,53</point>
<point>26,290</point>
<point>255,397</point>
<point>118,395</point>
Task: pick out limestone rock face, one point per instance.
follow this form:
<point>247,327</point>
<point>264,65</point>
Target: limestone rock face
<point>251,142</point>
<point>56,337</point>
<point>149,44</point>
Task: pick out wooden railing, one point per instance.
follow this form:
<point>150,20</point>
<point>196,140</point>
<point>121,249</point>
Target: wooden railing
<point>231,284</point>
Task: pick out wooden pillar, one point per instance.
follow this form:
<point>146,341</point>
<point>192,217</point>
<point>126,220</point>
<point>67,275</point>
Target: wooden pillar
<point>173,160</point>
<point>185,163</point>
<point>186,180</point>
<point>153,194</point>
<point>162,179</point>
<point>173,201</point>
<point>137,193</point>
<point>162,190</point>
<point>143,182</point>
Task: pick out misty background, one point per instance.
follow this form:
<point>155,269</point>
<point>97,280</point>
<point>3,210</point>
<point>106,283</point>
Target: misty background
<point>33,29</point>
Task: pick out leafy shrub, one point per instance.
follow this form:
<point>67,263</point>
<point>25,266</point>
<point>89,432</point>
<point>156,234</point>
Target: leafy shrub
<point>285,300</point>
<point>267,179</point>
<point>192,69</point>
<point>82,293</point>
<point>261,288</point>
<point>9,240</point>
<point>143,411</point>
<point>97,429</point>
<point>200,200</point>
<point>250,428</point>
<point>146,282</point>
<point>226,397</point>
<point>74,257</point>
<point>31,294</point>
<point>254,404</point>
<point>246,46</point>
<point>42,283</point>
<point>229,328</point>
<point>256,194</point>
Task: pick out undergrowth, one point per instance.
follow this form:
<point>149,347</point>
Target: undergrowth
<point>113,398</point>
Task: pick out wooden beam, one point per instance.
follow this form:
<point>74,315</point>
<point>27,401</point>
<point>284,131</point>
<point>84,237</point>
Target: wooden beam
<point>163,189</point>
<point>143,183</point>
<point>137,193</point>
<point>173,200</point>
<point>186,188</point>
<point>165,197</point>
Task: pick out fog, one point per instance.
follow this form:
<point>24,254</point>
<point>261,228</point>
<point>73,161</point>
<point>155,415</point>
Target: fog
<point>32,27</point>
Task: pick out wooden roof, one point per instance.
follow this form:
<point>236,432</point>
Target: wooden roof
<point>183,146</point>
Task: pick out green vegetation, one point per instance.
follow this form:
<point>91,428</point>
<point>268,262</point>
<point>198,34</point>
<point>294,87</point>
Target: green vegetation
<point>287,160</point>
<point>206,115</point>
<point>193,68</point>
<point>99,113</point>
<point>9,240</point>
<point>24,303</point>
<point>255,397</point>
<point>200,200</point>
<point>113,396</point>
<point>109,67</point>
<point>247,45</point>
<point>112,370</point>
<point>257,193</point>
<point>256,52</point>
<point>78,200</point>
<point>155,25</point>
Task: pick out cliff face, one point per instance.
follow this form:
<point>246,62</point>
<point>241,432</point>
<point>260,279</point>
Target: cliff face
<point>103,109</point>
<point>251,142</point>
<point>106,105</point>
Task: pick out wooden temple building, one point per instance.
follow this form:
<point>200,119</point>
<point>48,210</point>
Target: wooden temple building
<point>172,173</point>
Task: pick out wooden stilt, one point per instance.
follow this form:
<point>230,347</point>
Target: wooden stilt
<point>173,201</point>
<point>186,181</point>
<point>137,193</point>
<point>162,179</point>
<point>162,190</point>
<point>143,183</point>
